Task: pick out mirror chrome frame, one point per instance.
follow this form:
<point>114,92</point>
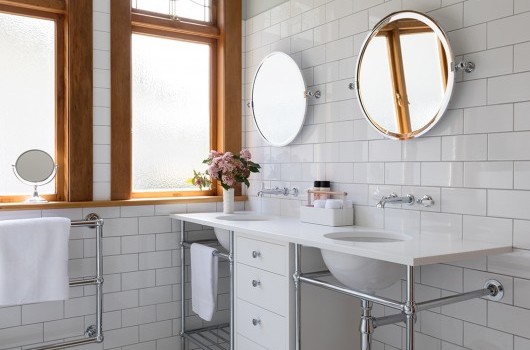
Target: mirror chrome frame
<point>444,39</point>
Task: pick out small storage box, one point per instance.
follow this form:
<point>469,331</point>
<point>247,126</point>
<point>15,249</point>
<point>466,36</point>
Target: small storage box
<point>327,217</point>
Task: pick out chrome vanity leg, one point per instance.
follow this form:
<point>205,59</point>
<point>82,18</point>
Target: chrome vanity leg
<point>367,325</point>
<point>410,309</point>
<point>232,290</point>
<point>297,295</point>
<point>182,286</point>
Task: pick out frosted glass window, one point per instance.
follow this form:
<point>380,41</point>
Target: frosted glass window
<point>170,112</point>
<point>425,85</point>
<point>199,10</point>
<point>27,95</point>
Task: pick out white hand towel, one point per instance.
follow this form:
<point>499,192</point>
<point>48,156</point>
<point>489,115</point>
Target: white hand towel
<point>319,203</point>
<point>204,271</point>
<point>334,204</point>
<point>34,260</point>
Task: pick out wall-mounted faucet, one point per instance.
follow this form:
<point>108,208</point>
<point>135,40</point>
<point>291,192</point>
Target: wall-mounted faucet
<point>393,198</point>
<point>279,191</point>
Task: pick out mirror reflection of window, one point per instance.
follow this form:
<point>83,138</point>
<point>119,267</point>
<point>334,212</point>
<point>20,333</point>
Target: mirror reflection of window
<point>376,80</point>
<point>423,76</point>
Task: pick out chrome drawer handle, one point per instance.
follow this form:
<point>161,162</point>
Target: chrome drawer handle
<point>256,254</point>
<point>256,321</point>
<point>255,283</point>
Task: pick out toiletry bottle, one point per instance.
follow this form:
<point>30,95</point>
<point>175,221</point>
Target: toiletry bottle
<point>316,187</point>
<point>325,186</point>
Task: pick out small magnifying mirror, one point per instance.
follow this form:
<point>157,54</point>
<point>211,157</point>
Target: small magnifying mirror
<point>35,168</point>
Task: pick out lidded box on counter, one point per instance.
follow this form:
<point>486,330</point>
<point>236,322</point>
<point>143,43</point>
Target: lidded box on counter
<point>328,212</point>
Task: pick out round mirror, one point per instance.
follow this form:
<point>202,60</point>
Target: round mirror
<point>278,99</point>
<point>35,166</point>
<point>404,75</point>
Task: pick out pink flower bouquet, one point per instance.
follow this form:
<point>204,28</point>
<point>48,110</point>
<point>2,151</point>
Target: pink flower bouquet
<point>228,168</point>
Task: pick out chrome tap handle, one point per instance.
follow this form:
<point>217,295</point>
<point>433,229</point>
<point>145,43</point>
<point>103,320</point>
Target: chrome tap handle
<point>256,321</point>
<point>256,283</point>
<point>256,254</point>
<point>426,201</point>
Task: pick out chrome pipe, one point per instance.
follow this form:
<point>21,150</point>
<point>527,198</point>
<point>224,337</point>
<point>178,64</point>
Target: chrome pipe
<point>410,311</point>
<point>84,282</point>
<point>366,327</point>
<point>426,305</point>
<point>297,295</point>
<point>99,284</point>
<point>232,291</point>
<point>391,319</point>
<point>216,252</point>
<point>358,294</point>
<point>182,286</point>
<point>318,274</point>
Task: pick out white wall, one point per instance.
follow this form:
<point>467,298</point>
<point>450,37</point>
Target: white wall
<point>475,163</point>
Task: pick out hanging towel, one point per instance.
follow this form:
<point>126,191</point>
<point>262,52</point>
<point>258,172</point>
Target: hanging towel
<point>204,270</point>
<point>34,260</point>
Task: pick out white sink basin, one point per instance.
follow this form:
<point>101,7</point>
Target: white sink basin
<point>361,273</point>
<point>223,235</point>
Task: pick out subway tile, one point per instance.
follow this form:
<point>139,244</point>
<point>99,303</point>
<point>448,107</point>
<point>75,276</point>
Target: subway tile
<point>369,172</point>
<point>121,337</point>
<point>326,152</point>
<point>521,6</point>
<point>508,146</point>
<point>482,338</point>
<point>402,173</point>
<point>299,6</point>
<point>61,329</point>
<point>441,225</point>
<point>384,151</point>
<point>521,234</point>
<point>313,17</point>
<point>138,315</point>
<point>137,244</point>
<point>120,300</point>
<point>480,11</point>
<point>353,24</point>
<point>326,33</point>
<point>155,260</point>
<point>474,310</point>
<point>155,295</point>
<point>509,30</point>
<point>442,327</point>
<point>488,229</point>
<point>465,147</point>
<point>488,119</point>
<point>356,151</point>
<point>468,40</point>
<point>513,264</point>
<point>508,319</point>
<point>338,8</point>
<point>18,336</point>
<point>156,224</point>
<point>509,88</point>
<point>137,210</point>
<point>280,13</point>
<point>521,54</point>
<point>451,123</point>
<point>443,276</point>
<point>302,41</point>
<point>120,263</point>
<point>338,132</point>
<point>313,57</point>
<point>291,26</point>
<point>450,17</point>
<point>339,172</point>
<point>157,330</point>
<point>489,174</point>
<point>445,174</point>
<point>405,221</point>
<point>10,316</point>
<point>339,49</point>
<point>508,204</point>
<point>471,93</point>
<point>464,201</point>
<point>120,227</point>
<point>522,116</point>
<point>138,279</point>
<point>421,5</point>
<point>521,343</point>
<point>421,149</point>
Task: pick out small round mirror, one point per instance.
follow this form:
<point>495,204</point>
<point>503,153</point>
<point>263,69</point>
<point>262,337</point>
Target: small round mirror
<point>35,168</point>
<point>279,99</point>
<point>404,75</point>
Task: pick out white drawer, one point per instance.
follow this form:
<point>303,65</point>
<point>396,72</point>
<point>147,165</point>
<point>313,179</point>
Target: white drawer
<point>243,343</point>
<point>265,289</point>
<point>263,255</point>
<point>261,326</point>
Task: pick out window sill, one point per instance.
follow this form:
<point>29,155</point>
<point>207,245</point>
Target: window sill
<point>116,203</point>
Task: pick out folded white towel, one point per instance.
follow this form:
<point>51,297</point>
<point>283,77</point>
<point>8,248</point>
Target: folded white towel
<point>334,204</point>
<point>204,271</point>
<point>319,203</point>
<point>34,260</point>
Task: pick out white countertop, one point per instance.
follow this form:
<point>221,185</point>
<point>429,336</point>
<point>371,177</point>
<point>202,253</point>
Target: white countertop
<point>414,252</point>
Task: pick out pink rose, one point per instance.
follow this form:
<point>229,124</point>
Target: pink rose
<point>245,153</point>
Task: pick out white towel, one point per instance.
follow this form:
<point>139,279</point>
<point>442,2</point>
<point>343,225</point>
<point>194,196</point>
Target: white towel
<point>34,260</point>
<point>204,271</point>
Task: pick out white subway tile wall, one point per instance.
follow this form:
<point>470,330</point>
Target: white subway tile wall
<point>475,162</point>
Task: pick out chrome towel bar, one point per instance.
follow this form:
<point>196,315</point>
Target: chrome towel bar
<point>94,333</point>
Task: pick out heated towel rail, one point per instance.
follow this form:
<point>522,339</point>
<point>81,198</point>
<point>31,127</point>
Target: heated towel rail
<point>94,333</point>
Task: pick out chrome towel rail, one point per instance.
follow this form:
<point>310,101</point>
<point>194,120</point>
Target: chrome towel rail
<point>94,333</point>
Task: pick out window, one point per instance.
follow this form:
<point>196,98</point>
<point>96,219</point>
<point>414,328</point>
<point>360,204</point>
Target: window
<point>37,46</point>
<point>169,93</point>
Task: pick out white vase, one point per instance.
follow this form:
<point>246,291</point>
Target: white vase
<point>228,201</point>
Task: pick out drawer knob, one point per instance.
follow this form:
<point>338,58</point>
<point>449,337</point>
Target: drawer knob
<point>255,283</point>
<point>256,254</point>
<point>256,321</point>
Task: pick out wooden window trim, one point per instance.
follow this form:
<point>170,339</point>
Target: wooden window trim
<point>74,93</point>
<point>226,102</point>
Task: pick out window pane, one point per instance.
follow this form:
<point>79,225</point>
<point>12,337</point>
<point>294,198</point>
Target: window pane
<point>199,10</point>
<point>27,94</point>
<point>171,111</point>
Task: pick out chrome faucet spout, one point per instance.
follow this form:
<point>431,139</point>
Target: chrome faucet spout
<point>393,198</point>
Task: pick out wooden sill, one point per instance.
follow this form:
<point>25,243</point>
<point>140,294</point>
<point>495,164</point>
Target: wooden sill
<point>116,203</point>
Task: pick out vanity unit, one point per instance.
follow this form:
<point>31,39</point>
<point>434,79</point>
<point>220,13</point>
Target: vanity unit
<point>267,274</point>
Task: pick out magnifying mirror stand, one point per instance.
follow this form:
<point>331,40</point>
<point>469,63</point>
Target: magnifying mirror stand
<point>36,198</point>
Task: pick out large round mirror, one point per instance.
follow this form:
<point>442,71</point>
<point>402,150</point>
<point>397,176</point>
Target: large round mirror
<point>278,99</point>
<point>404,75</point>
<point>35,168</point>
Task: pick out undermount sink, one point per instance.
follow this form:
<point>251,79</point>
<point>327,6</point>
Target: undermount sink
<point>223,235</point>
<point>362,273</point>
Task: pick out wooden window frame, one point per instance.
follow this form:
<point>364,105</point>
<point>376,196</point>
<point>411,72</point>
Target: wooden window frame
<point>74,96</point>
<point>224,36</point>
